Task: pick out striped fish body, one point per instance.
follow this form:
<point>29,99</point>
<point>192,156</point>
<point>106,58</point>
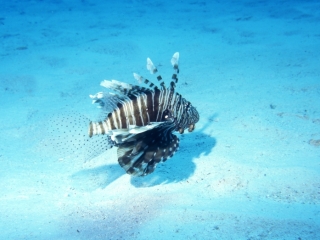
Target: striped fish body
<point>141,120</point>
<point>141,109</point>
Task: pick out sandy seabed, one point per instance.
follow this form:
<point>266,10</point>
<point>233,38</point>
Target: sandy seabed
<point>250,170</point>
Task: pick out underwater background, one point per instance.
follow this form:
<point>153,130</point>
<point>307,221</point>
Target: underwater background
<point>250,169</point>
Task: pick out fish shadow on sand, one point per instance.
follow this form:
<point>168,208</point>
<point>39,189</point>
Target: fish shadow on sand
<point>181,166</point>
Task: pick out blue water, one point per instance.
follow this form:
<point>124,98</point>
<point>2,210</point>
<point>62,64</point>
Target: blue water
<point>251,168</point>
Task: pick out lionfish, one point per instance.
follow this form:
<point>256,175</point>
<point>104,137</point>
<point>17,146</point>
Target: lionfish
<point>140,121</point>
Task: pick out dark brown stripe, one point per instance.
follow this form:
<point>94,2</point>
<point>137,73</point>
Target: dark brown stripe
<point>102,128</point>
<point>90,129</point>
<point>153,112</point>
<point>175,77</point>
<point>177,102</point>
<point>118,120</point>
<point>163,87</point>
<point>110,119</point>
<point>136,113</point>
<point>170,99</point>
<point>172,85</point>
<point>122,116</point>
<point>161,107</point>
<point>148,106</point>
